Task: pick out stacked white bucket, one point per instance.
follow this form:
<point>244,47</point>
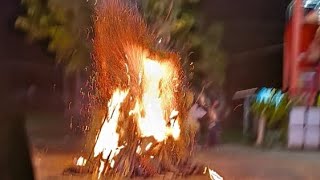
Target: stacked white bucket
<point>304,128</point>
<point>296,127</point>
<point>312,134</point>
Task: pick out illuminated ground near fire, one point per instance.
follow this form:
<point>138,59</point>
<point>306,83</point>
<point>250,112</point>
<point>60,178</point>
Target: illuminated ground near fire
<point>53,149</point>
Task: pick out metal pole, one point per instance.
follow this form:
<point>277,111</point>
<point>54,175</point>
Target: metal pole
<point>297,22</point>
<point>246,113</point>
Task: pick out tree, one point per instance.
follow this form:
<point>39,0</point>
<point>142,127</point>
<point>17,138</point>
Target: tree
<point>177,25</point>
<point>66,26</point>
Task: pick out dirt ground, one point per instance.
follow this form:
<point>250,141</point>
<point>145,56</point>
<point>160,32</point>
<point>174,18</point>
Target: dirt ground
<point>230,161</point>
<point>239,162</point>
<point>53,151</point>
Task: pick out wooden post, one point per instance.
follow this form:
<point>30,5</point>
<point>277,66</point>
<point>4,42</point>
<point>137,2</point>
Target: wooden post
<point>246,113</point>
<point>261,129</point>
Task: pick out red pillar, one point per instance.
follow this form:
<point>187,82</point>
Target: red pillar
<point>287,53</point>
<point>297,22</point>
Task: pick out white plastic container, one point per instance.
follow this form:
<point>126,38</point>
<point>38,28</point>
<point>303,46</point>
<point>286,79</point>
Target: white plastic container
<point>295,136</point>
<point>313,117</point>
<point>296,128</point>
<point>312,137</point>
<point>312,129</point>
<point>297,115</point>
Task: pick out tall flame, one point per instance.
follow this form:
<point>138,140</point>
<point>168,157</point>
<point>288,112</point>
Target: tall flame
<point>157,101</point>
<point>152,112</point>
<point>132,70</point>
<point>107,142</point>
<point>153,123</point>
<point>155,113</point>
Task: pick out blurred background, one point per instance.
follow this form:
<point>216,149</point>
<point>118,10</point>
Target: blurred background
<point>235,45</point>
<point>226,46</point>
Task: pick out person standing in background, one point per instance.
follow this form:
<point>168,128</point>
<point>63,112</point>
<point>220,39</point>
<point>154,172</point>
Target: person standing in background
<point>196,112</point>
<point>204,105</point>
<point>214,124</point>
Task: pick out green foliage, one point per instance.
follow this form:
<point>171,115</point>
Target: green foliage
<point>275,112</point>
<point>65,24</point>
<point>211,58</point>
<point>170,20</point>
<point>179,24</point>
<point>274,106</point>
<point>176,23</point>
<point>274,138</point>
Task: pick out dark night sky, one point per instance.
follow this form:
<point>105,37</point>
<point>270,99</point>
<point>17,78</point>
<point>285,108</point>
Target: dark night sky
<point>25,62</point>
<point>14,46</point>
<point>253,40</point>
<point>250,26</point>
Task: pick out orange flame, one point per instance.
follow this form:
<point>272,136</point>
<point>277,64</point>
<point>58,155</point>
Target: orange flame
<point>129,70</point>
<point>107,142</point>
<point>157,100</point>
<point>212,174</point>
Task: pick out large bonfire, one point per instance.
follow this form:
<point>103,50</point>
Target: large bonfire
<point>140,120</point>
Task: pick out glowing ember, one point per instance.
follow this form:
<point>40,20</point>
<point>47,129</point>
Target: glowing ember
<point>101,168</point>
<point>81,161</point>
<point>175,129</point>
<point>148,146</point>
<point>212,174</point>
<point>138,151</point>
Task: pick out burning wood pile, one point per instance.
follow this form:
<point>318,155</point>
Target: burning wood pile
<point>139,122</point>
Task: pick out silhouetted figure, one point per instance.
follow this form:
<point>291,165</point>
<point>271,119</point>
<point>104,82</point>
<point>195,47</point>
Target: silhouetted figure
<point>214,124</point>
<point>15,159</point>
<point>204,121</point>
